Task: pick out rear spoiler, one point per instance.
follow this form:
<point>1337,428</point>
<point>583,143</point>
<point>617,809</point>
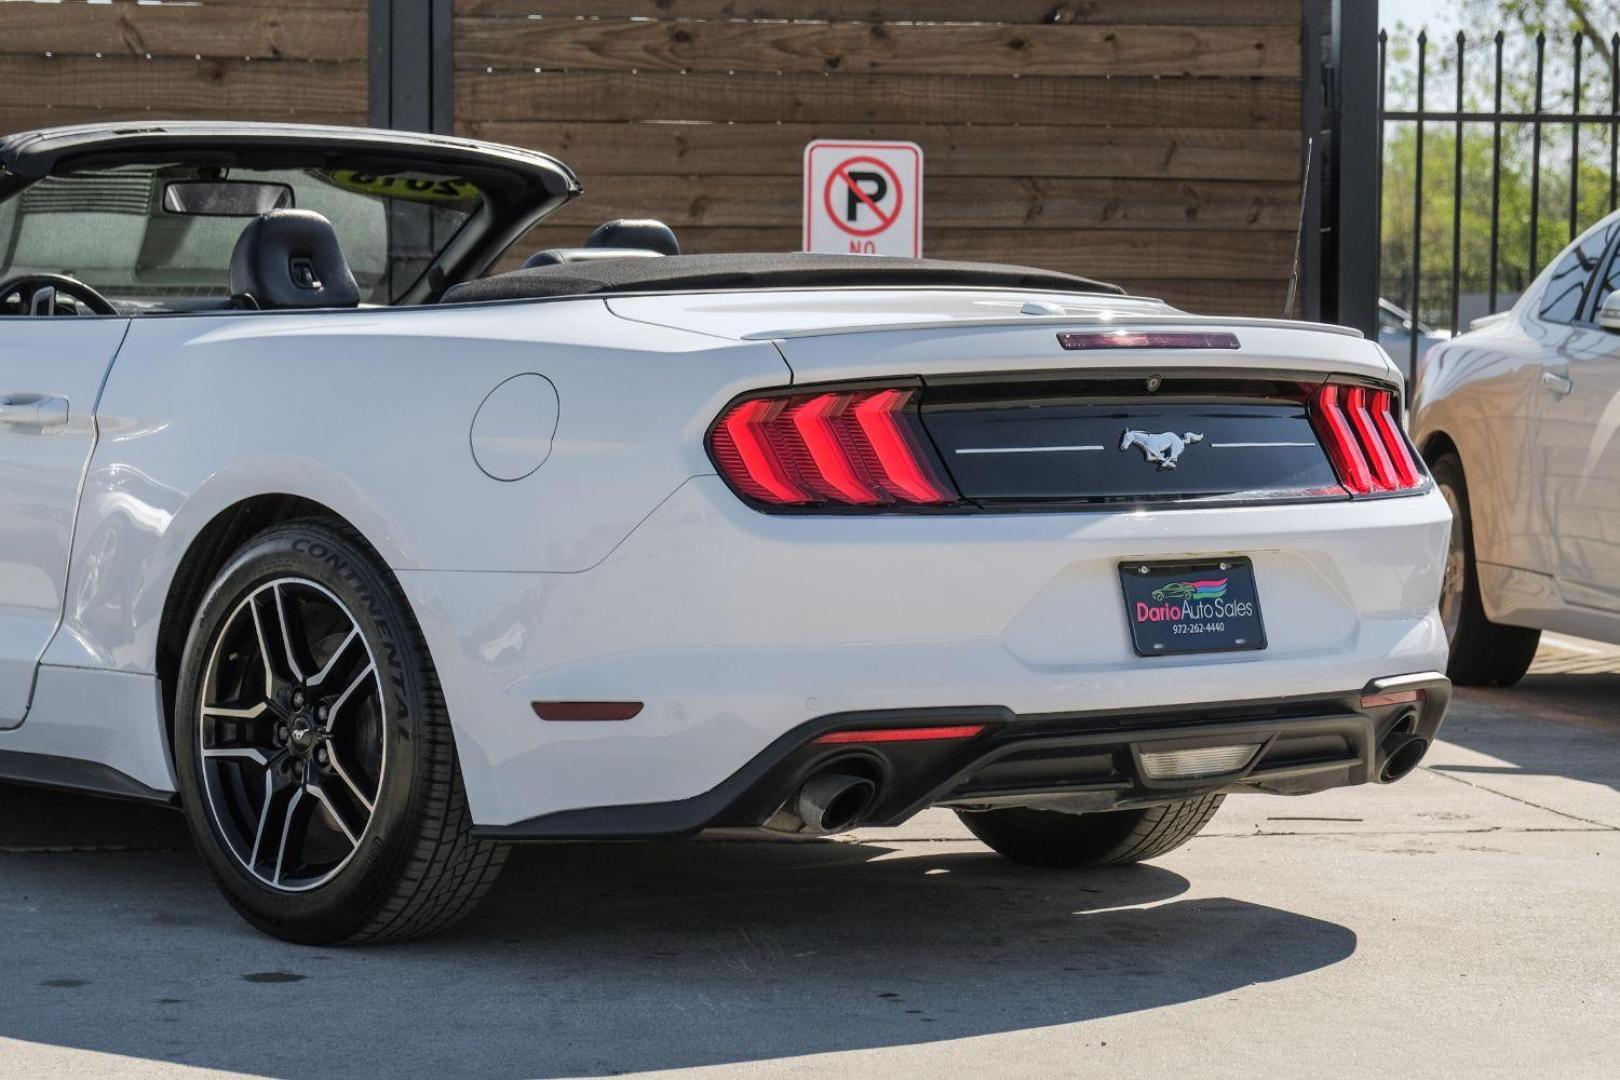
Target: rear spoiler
<point>1113,320</point>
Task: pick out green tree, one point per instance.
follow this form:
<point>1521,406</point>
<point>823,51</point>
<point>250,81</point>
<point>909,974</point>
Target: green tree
<point>1518,21</point>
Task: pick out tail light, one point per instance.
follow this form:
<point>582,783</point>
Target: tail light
<point>1363,438</point>
<point>843,448</point>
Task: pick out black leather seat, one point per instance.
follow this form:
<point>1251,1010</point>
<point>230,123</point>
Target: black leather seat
<point>291,259</point>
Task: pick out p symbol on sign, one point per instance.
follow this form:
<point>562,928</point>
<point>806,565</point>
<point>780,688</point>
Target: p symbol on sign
<point>860,194</point>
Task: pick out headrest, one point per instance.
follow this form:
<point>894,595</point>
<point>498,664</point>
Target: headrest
<point>291,259</point>
<point>644,233</point>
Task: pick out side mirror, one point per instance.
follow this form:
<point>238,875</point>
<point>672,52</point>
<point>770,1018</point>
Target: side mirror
<point>1609,312</point>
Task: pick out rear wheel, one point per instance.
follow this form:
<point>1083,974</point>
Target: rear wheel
<point>1048,838</point>
<point>316,763</point>
<point>1483,653</point>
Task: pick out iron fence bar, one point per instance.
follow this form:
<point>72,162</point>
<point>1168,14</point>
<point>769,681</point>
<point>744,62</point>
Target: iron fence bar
<point>1496,173</point>
<point>1417,221</point>
<point>1456,192</point>
<point>1383,63</point>
<point>1575,142</point>
<point>1614,113</point>
<point>1448,116</point>
<point>1577,113</point>
<point>1535,156</point>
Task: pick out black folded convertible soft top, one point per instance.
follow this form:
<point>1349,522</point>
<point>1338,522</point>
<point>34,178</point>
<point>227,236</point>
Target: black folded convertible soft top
<point>717,273</point>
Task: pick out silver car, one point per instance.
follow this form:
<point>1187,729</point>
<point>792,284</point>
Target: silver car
<point>1395,328</point>
<point>1517,420</point>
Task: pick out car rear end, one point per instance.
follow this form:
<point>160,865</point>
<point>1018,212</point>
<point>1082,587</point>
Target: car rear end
<point>1063,556</point>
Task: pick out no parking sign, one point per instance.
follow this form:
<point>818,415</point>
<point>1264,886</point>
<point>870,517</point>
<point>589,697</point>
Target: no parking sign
<point>863,198</point>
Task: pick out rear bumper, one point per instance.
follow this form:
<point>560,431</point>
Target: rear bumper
<point>737,629</point>
<point>1079,763</point>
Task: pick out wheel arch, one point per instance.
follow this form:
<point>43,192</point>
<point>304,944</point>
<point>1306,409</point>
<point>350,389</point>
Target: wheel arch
<point>1436,445</point>
<point>208,553</point>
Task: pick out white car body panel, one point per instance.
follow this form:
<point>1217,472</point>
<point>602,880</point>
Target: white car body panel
<point>187,382</point>
<point>1532,407</point>
<point>748,625</point>
<point>41,466</point>
<point>624,568</point>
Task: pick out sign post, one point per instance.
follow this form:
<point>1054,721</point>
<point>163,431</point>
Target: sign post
<point>863,198</point>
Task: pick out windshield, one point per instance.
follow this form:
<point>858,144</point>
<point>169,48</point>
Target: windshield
<point>160,238</point>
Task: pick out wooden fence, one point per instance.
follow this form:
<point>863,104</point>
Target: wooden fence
<point>1151,142</point>
<point>78,62</point>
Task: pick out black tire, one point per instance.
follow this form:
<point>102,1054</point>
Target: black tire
<point>413,866</point>
<point>1483,653</point>
<point>1066,841</point>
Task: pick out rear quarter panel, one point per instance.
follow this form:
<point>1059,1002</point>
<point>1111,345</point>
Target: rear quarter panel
<point>369,413</point>
<point>1477,391</point>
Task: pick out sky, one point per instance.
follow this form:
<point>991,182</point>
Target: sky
<point>1437,15</point>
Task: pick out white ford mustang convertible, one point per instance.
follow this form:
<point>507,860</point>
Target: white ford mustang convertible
<point>374,564</point>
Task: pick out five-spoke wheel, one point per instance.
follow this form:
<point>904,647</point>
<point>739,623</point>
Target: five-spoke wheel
<point>293,733</point>
<point>315,758</point>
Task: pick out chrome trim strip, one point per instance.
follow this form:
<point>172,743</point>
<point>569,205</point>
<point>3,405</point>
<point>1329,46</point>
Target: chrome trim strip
<point>1248,445</point>
<point>1027,449</point>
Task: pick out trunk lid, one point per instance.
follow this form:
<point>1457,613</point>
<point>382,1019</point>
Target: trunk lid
<point>1045,400</point>
<point>1031,440</point>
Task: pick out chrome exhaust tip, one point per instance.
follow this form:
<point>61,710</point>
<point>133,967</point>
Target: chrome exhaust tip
<point>1402,753</point>
<point>828,802</point>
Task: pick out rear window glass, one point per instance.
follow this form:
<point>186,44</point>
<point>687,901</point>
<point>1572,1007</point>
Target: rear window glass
<point>129,232</point>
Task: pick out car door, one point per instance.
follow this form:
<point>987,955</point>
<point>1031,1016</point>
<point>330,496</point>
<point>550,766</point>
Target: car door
<point>1578,440</point>
<point>51,370</point>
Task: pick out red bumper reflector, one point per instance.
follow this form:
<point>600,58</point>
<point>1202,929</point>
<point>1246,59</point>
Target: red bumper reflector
<point>587,710</point>
<point>912,734</point>
<point>1394,697</point>
<point>1159,339</point>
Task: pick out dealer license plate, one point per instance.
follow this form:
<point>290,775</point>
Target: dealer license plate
<point>1192,607</point>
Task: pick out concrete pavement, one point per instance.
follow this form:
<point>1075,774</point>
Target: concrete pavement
<point>1465,922</point>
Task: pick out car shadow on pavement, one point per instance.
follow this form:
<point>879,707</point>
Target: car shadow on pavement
<point>603,958</point>
<point>1547,725</point>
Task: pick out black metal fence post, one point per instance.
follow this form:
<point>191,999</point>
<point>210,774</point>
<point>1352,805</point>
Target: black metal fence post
<point>1575,142</point>
<point>1417,212</point>
<point>1496,175</point>
<point>1535,155</point>
<point>1457,189</point>
<point>1350,171</point>
<point>411,56</point>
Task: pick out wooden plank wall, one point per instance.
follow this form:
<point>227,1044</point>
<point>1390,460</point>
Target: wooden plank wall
<point>77,62</point>
<point>1151,142</point>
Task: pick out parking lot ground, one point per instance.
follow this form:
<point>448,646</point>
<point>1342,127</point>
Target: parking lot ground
<point>1465,922</point>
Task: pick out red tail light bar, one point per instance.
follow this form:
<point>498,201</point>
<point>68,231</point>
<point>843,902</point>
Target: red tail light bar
<point>1363,438</point>
<point>860,448</point>
<point>890,735</point>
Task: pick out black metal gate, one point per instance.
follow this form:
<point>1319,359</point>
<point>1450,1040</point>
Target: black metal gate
<point>1535,156</point>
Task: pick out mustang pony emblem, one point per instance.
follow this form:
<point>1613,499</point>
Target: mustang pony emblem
<point>1161,449</point>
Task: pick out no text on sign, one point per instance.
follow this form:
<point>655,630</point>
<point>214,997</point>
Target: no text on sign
<point>863,198</point>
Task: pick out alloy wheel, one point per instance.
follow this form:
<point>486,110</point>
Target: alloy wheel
<point>292,734</point>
